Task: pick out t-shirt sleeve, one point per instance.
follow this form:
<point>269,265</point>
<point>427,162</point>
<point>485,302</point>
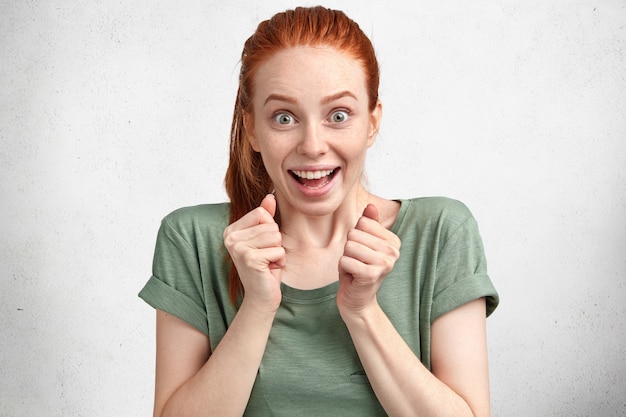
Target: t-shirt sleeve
<point>462,272</point>
<point>175,286</point>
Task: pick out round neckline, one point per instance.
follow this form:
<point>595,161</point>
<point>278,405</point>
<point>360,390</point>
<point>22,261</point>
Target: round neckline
<point>314,295</point>
<point>328,291</point>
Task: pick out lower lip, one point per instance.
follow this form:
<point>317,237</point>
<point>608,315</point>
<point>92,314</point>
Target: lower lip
<point>317,191</point>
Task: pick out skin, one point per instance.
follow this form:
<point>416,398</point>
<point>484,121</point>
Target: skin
<point>311,114</point>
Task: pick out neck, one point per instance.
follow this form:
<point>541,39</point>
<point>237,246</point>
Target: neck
<point>323,231</point>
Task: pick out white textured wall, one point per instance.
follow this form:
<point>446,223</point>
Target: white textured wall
<point>114,113</point>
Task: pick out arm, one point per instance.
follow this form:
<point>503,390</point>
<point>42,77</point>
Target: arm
<point>190,379</point>
<point>458,385</point>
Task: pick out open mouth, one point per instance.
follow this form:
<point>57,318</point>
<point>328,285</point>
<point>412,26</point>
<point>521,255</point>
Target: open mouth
<point>314,179</point>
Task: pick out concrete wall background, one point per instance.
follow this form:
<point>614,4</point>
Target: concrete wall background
<point>114,113</point>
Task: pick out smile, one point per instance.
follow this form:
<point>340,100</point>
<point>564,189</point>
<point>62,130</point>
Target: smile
<point>313,179</point>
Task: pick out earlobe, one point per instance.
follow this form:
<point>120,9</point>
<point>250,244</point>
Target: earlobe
<point>375,120</point>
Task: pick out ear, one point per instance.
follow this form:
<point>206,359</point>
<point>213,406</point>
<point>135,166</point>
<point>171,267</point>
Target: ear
<point>375,119</point>
<point>248,124</point>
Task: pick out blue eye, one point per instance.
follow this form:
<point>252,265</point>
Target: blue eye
<point>339,116</point>
<point>283,118</point>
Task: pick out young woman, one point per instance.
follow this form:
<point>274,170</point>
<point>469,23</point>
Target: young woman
<point>307,295</point>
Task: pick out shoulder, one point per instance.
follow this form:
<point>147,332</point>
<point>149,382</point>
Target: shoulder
<point>437,209</point>
<point>187,221</point>
<point>203,213</point>
<point>433,218</point>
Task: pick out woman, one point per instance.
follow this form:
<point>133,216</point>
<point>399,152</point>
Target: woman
<point>306,294</point>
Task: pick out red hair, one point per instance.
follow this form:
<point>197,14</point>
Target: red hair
<point>247,181</point>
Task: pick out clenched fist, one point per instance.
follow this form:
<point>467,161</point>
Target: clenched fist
<point>254,244</point>
<point>369,255</point>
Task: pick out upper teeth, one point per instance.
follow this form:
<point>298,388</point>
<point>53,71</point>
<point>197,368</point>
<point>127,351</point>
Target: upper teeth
<point>313,175</point>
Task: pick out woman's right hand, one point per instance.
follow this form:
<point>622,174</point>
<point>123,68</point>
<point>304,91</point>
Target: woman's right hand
<point>191,377</point>
<point>254,244</point>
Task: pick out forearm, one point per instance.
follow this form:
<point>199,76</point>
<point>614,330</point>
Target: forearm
<point>223,385</point>
<point>403,385</point>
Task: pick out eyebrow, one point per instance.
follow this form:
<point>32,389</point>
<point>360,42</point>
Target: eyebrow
<point>293,100</point>
<point>337,96</point>
<point>280,97</point>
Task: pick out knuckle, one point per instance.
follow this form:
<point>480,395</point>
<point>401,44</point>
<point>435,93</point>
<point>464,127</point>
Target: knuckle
<point>236,248</point>
<point>274,237</point>
<point>228,241</point>
<point>392,250</point>
<point>389,263</point>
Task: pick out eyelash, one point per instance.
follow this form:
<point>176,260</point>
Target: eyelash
<point>278,115</point>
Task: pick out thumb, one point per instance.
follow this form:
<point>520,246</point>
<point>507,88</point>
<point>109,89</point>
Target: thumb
<point>371,212</point>
<point>269,204</point>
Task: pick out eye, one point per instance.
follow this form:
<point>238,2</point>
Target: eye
<point>339,116</point>
<point>283,118</point>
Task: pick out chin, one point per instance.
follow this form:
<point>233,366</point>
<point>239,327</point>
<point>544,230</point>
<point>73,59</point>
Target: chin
<point>315,207</point>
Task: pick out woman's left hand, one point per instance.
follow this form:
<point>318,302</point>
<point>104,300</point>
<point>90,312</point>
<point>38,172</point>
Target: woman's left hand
<point>369,255</point>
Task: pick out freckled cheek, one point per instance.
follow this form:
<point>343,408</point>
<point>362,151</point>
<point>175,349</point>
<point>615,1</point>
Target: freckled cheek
<point>269,144</point>
<point>354,148</point>
<point>274,153</point>
<point>277,150</point>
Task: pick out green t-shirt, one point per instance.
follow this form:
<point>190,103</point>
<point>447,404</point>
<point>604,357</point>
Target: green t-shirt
<point>310,366</point>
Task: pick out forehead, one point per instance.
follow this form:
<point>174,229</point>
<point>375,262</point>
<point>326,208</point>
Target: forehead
<point>309,72</point>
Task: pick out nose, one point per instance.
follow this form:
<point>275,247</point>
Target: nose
<point>313,142</point>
